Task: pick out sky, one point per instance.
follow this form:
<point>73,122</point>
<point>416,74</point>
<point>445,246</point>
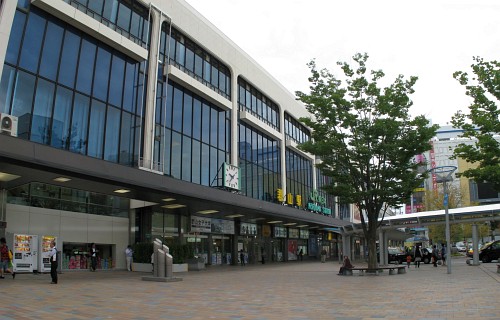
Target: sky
<point>429,39</point>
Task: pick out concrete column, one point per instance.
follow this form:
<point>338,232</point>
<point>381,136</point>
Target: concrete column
<point>475,246</point>
<point>346,246</point>
<point>7,13</point>
<point>282,152</point>
<point>383,258</point>
<point>234,119</point>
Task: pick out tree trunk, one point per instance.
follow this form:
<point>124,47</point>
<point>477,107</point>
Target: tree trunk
<point>371,239</point>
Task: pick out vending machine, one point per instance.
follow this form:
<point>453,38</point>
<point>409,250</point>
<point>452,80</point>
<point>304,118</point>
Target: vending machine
<point>44,256</point>
<point>24,251</point>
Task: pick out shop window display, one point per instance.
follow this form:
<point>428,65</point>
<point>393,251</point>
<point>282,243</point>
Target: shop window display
<point>76,256</point>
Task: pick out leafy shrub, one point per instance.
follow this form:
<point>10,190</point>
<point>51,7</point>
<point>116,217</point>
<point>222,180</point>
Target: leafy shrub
<point>142,252</point>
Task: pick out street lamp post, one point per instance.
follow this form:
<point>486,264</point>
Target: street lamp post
<point>444,174</point>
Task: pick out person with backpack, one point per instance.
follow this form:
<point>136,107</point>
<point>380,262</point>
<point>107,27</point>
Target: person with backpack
<point>5,259</point>
<point>53,262</point>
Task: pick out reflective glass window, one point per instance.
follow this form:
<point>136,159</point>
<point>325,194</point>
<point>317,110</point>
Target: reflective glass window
<point>79,124</point>
<point>15,38</point>
<point>205,123</point>
<point>112,134</point>
<point>195,162</point>
<point>61,120</point>
<point>101,75</point>
<point>176,155</point>
<point>196,119</point>
<point>189,59</point>
<point>96,129</point>
<point>95,6</point>
<point>177,110</point>
<point>206,71</point>
<point>116,81</point>
<point>179,53</point>
<point>110,10</point>
<point>32,44</point>
<point>205,161</point>
<point>42,112</point>
<point>188,114</point>
<point>6,88</point>
<point>166,157</point>
<point>126,139</point>
<point>129,92</point>
<point>69,58</point>
<point>23,101</point>
<point>198,65</point>
<point>186,159</point>
<point>86,67</point>
<point>214,121</point>
<point>123,20</point>
<point>51,50</point>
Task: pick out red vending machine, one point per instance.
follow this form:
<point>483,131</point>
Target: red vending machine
<point>24,251</point>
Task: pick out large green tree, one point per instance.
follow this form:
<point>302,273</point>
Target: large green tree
<point>366,139</point>
<point>482,122</point>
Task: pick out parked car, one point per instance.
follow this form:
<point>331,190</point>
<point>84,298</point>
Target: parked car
<point>396,255</point>
<point>490,251</point>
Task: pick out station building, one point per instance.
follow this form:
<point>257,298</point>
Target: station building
<point>124,121</point>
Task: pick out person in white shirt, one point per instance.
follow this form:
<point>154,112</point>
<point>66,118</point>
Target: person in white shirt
<point>53,262</point>
<point>128,256</point>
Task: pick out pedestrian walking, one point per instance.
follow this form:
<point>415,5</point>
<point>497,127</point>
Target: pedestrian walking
<point>418,256</point>
<point>53,262</point>
<point>242,258</point>
<point>129,253</point>
<point>408,259</point>
<point>301,255</point>
<point>93,257</point>
<point>323,255</point>
<point>443,254</point>
<point>435,255</point>
<point>5,259</point>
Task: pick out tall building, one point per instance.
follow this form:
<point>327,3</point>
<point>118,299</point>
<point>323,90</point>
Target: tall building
<point>125,120</point>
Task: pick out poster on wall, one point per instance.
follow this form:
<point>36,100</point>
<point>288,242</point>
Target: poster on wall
<point>304,234</point>
<point>292,250</point>
<point>222,226</point>
<point>248,229</point>
<point>293,233</point>
<point>200,224</point>
<point>313,245</point>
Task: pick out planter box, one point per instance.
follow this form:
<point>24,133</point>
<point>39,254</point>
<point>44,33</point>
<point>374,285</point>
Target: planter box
<point>180,267</point>
<point>142,267</point>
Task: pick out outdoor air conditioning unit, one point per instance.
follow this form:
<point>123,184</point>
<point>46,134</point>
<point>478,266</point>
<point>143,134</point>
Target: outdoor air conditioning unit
<point>8,124</point>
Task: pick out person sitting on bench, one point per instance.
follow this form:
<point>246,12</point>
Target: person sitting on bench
<point>345,265</point>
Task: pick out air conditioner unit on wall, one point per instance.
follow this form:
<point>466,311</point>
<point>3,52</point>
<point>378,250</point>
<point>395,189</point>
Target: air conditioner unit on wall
<point>8,124</point>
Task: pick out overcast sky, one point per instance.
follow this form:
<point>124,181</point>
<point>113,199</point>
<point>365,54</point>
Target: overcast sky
<point>427,38</point>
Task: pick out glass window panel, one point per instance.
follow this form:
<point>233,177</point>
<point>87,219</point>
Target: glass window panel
<point>186,159</point>
<point>6,88</point>
<point>42,112</point>
<point>15,38</point>
<point>179,53</point>
<point>189,60</point>
<point>166,151</point>
<point>79,124</point>
<point>195,162</point>
<point>171,49</point>
<point>205,123</point>
<point>196,119</point>
<point>130,87</point>
<point>123,20</point>
<point>116,81</point>
<point>86,67</point>
<point>112,134</point>
<point>206,71</point>
<point>135,25</point>
<point>51,50</point>
<point>222,82</point>
<point>177,110</point>
<point>110,10</point>
<point>101,75</point>
<point>69,58</point>
<point>96,6</point>
<point>168,110</point>
<point>188,114</point>
<point>198,65</point>
<point>214,168</point>
<point>22,102</point>
<point>176,155</point>
<point>126,139</point>
<point>61,119</point>
<point>32,44</point>
<point>215,77</point>
<point>96,129</point>
<point>213,127</point>
<point>205,161</point>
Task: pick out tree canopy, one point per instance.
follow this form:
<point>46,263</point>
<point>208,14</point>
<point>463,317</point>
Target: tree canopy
<point>482,123</point>
<point>366,139</point>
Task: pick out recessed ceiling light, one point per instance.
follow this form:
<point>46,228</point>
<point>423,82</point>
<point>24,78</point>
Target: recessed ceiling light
<point>271,222</point>
<point>313,228</point>
<point>122,191</point>
<point>173,206</point>
<point>5,177</point>
<point>208,211</point>
<point>257,219</point>
<point>168,199</point>
<point>62,179</point>
<point>290,224</point>
<point>235,216</point>
<point>302,226</point>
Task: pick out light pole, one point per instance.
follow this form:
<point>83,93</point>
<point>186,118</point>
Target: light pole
<point>443,175</point>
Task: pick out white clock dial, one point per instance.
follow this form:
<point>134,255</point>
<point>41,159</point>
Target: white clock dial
<point>231,176</point>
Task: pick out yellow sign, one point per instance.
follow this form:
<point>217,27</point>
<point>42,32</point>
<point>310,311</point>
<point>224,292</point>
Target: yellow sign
<point>289,198</point>
<point>298,200</point>
<point>279,195</point>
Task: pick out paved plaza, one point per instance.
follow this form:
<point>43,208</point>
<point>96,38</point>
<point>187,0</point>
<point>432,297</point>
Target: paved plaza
<point>293,290</point>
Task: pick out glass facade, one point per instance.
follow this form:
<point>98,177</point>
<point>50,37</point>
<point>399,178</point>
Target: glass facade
<point>127,17</point>
<point>295,130</point>
<point>69,91</point>
<point>48,196</point>
<point>252,100</point>
<point>260,164</point>
<point>323,181</point>
<point>298,177</point>
<point>192,59</point>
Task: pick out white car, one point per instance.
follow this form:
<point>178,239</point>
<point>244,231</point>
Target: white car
<point>461,248</point>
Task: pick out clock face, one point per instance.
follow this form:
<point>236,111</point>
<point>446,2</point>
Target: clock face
<point>231,176</point>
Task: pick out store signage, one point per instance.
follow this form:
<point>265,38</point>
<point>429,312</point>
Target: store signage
<point>201,224</point>
<point>317,203</point>
<point>293,233</point>
<point>248,229</point>
<point>279,232</point>
<point>279,195</point>
<point>222,226</point>
<point>304,234</point>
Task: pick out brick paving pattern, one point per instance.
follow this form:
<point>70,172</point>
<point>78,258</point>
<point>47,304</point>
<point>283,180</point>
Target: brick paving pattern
<point>293,290</point>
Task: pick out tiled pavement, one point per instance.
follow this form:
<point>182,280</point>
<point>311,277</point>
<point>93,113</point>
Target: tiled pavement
<point>294,290</point>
